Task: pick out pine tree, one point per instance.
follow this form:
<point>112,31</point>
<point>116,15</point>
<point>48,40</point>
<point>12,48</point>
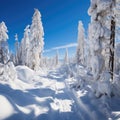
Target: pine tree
<point>36,41</point>
<point>4,51</point>
<point>16,50</point>
<point>98,34</point>
<point>56,58</point>
<point>80,48</point>
<point>66,59</point>
<point>25,46</point>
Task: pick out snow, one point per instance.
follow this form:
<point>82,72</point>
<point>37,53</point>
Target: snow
<point>24,73</point>
<point>35,96</point>
<point>6,108</point>
<point>62,105</point>
<point>48,96</point>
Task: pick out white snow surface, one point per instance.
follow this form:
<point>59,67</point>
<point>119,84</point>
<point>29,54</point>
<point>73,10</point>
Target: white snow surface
<point>6,108</point>
<point>48,96</point>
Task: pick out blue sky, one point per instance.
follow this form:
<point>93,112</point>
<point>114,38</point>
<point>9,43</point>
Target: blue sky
<point>60,19</point>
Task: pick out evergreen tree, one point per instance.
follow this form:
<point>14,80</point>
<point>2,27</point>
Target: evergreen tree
<point>80,48</point>
<point>16,50</point>
<point>36,41</point>
<point>4,51</point>
<point>100,36</point>
<point>56,58</point>
<point>66,59</point>
<point>25,46</point>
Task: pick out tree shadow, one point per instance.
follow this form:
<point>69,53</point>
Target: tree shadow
<point>25,98</point>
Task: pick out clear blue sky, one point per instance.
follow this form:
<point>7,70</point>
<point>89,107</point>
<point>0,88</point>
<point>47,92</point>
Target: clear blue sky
<point>60,19</point>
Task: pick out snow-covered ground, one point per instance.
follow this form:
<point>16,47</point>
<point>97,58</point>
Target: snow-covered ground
<point>48,96</point>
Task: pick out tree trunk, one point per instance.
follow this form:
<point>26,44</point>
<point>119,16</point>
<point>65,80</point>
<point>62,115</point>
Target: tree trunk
<point>112,47</point>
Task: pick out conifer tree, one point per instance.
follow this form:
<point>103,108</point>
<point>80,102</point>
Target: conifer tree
<point>36,41</point>
<point>25,46</point>
<point>102,36</point>
<point>4,51</point>
<point>66,59</point>
<point>80,48</point>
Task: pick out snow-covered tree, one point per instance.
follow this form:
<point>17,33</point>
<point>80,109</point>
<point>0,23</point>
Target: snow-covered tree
<point>56,59</point>
<point>25,46</point>
<point>112,39</point>
<point>47,63</point>
<point>102,43</point>
<point>100,35</point>
<point>116,15</point>
<point>117,59</point>
<point>66,59</point>
<point>80,48</point>
<point>87,53</point>
<point>16,50</point>
<point>4,51</point>
<point>96,60</point>
<point>12,57</point>
<point>7,68</point>
<point>36,41</point>
<point>16,42</point>
<point>117,19</point>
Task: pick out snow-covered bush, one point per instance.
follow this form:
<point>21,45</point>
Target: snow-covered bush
<point>103,86</point>
<point>77,74</point>
<point>9,71</point>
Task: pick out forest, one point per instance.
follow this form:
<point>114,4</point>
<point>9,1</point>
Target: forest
<point>83,87</point>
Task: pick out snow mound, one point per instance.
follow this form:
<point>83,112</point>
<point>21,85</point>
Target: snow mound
<point>24,73</point>
<point>6,108</point>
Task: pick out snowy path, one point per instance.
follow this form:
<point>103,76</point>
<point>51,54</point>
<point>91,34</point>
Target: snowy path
<point>45,97</point>
<point>61,104</point>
